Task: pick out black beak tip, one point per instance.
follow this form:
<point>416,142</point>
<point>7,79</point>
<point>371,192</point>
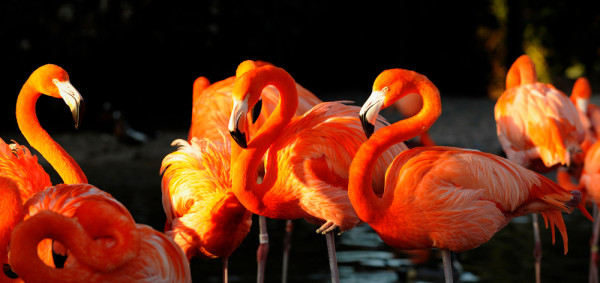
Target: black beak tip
<point>9,272</point>
<point>239,138</point>
<point>368,128</point>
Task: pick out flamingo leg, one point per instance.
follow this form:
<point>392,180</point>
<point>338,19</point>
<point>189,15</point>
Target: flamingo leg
<point>335,277</point>
<point>263,249</point>
<point>225,269</point>
<point>537,250</point>
<point>447,262</point>
<point>593,276</point>
<point>287,243</point>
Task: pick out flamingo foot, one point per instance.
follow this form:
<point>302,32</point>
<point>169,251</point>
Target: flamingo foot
<point>327,227</point>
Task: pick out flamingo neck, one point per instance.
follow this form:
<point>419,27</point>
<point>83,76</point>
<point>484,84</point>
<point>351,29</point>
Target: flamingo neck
<point>246,161</point>
<point>521,72</point>
<point>369,206</point>
<point>87,236</point>
<point>38,138</point>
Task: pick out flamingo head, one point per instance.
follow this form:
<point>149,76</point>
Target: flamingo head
<point>389,86</point>
<point>53,80</point>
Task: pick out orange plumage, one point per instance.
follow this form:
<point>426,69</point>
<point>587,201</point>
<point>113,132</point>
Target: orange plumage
<point>203,215</point>
<point>536,121</point>
<point>102,241</point>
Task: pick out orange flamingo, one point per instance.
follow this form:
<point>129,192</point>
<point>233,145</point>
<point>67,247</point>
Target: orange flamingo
<point>537,126</point>
<point>212,106</point>
<point>307,161</point>
<point>535,121</point>
<point>203,215</point>
<point>444,197</point>
<point>18,164</point>
<point>102,241</point>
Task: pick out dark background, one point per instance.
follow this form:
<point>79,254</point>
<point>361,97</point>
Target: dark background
<point>141,57</point>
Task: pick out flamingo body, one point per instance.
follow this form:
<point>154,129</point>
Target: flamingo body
<point>538,121</point>
<point>457,199</point>
<point>101,240</point>
<point>203,215</point>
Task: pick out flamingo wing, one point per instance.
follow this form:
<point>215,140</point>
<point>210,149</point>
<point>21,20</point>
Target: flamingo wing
<point>18,164</point>
<point>466,196</point>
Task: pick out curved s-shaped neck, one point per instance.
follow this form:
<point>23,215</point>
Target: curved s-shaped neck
<point>38,138</point>
<point>369,206</point>
<point>245,162</point>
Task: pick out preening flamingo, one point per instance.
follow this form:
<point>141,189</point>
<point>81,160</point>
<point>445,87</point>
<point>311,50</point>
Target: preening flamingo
<point>212,105</point>
<point>17,163</point>
<point>203,215</point>
<point>537,126</point>
<point>306,166</point>
<point>535,121</point>
<point>448,198</point>
<point>102,242</point>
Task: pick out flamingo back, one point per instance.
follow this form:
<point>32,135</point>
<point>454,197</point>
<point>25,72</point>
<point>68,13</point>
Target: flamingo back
<point>538,121</point>
<point>458,199</point>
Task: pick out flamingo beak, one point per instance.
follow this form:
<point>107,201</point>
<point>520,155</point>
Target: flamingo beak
<point>237,122</point>
<point>370,111</point>
<point>256,110</point>
<point>72,98</point>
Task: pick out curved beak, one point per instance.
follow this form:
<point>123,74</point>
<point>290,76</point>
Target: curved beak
<point>370,111</point>
<point>72,98</point>
<point>237,122</point>
<point>256,110</point>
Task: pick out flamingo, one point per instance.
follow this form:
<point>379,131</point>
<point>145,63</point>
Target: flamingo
<point>212,106</point>
<point>307,161</point>
<point>18,167</point>
<point>444,197</point>
<point>589,181</point>
<point>102,241</point>
<point>537,126</point>
<point>203,215</point>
